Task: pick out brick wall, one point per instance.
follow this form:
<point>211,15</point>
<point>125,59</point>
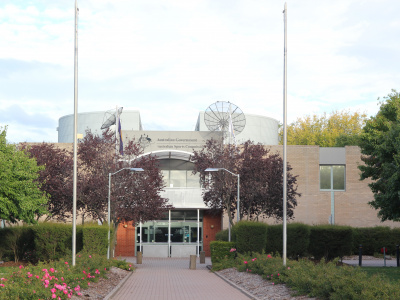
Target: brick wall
<point>125,239</point>
<point>211,225</point>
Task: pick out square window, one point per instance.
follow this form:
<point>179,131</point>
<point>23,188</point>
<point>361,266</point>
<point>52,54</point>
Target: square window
<point>332,177</point>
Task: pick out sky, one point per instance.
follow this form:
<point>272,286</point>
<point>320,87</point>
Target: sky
<point>171,59</point>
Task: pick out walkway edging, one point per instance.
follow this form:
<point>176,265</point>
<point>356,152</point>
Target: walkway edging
<point>243,291</point>
<point>115,290</point>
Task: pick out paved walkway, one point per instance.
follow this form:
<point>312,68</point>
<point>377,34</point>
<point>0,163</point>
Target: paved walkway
<point>171,279</point>
<point>372,262</point>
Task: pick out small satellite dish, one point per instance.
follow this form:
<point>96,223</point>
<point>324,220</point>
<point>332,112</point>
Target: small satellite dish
<point>110,118</point>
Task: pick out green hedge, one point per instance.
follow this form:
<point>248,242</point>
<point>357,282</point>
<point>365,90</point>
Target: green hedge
<point>250,236</point>
<point>221,250</point>
<point>330,241</point>
<point>298,238</point>
<point>222,235</point>
<point>95,239</point>
<point>52,240</point>
<point>16,243</point>
<point>373,239</point>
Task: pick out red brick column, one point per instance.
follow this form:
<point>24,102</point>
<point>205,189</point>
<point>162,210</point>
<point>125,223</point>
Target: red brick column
<point>211,225</point>
<point>125,239</point>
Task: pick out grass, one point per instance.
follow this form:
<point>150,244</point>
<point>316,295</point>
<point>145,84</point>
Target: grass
<point>391,273</point>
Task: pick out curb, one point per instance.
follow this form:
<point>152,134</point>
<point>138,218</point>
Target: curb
<point>116,289</point>
<point>246,293</point>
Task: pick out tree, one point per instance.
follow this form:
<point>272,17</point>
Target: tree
<point>339,129</point>
<point>262,183</point>
<point>133,196</point>
<point>20,194</point>
<point>220,188</point>
<point>55,177</point>
<point>380,146</point>
<point>261,180</point>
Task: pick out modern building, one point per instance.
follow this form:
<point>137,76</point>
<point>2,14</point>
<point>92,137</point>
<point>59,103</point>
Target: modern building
<point>328,180</point>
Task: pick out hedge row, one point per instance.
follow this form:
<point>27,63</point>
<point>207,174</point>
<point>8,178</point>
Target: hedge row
<point>317,241</point>
<point>50,241</point>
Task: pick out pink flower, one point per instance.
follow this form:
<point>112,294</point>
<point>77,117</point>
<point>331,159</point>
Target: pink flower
<point>288,268</point>
<point>69,295</point>
<point>3,279</point>
<point>21,267</point>
<point>273,283</point>
<point>90,256</point>
<point>2,285</point>
<point>44,270</point>
<point>79,294</point>
<point>37,276</point>
<point>269,256</point>
<point>53,290</point>
<point>53,296</point>
<point>252,259</point>
<point>65,292</point>
<point>232,250</point>
<point>245,262</point>
<point>97,271</point>
<point>77,288</point>
<point>52,270</point>
<point>66,263</point>
<point>278,274</point>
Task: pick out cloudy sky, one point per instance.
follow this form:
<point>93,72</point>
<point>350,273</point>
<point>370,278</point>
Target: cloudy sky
<point>171,59</point>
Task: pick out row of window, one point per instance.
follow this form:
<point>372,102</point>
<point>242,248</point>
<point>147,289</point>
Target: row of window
<point>178,174</point>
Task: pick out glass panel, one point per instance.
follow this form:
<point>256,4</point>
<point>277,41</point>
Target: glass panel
<point>145,234</point>
<point>186,234</point>
<point>176,234</point>
<point>193,180</point>
<point>338,177</point>
<point>177,215</point>
<point>194,234</point>
<point>325,177</point>
<point>177,178</point>
<point>165,174</point>
<point>191,215</point>
<point>161,234</point>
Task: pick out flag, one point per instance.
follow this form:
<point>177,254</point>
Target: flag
<point>121,144</point>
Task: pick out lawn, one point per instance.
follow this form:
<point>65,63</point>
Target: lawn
<point>392,273</point>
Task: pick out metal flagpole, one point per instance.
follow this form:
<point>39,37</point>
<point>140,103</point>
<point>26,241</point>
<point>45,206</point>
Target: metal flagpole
<point>284,138</point>
<point>75,136</point>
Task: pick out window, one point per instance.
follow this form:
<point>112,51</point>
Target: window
<point>332,177</point>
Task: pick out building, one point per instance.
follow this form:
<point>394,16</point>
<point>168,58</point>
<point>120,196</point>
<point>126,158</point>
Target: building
<point>328,180</point>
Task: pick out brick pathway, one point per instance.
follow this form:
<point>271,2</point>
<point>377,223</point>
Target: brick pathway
<point>171,279</point>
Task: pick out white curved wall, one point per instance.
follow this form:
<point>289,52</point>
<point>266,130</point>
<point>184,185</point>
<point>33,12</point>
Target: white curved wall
<point>259,129</point>
<point>130,120</point>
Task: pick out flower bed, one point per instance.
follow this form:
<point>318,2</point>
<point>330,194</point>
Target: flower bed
<point>56,279</point>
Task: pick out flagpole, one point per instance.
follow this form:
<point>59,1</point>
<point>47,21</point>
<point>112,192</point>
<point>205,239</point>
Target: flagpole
<point>75,136</point>
<point>284,139</point>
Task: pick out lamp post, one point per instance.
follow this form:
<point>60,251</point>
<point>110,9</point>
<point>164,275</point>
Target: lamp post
<point>109,202</point>
<point>238,194</point>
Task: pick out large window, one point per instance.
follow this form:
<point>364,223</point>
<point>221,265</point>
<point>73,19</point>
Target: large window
<point>178,173</point>
<point>332,177</point>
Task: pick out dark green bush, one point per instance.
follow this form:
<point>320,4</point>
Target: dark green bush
<point>330,241</point>
<point>298,237</point>
<point>52,240</point>
<point>221,250</point>
<point>17,243</point>
<point>373,239</point>
<point>222,235</point>
<point>250,236</point>
<point>95,239</point>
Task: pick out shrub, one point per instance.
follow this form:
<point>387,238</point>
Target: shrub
<point>330,241</point>
<point>16,241</point>
<point>298,238</point>
<point>221,250</point>
<point>222,235</point>
<point>373,239</point>
<point>95,239</point>
<point>52,240</point>
<point>250,236</point>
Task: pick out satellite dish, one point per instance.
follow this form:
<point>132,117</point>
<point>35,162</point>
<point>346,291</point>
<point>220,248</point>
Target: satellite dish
<point>110,118</point>
<point>226,117</point>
